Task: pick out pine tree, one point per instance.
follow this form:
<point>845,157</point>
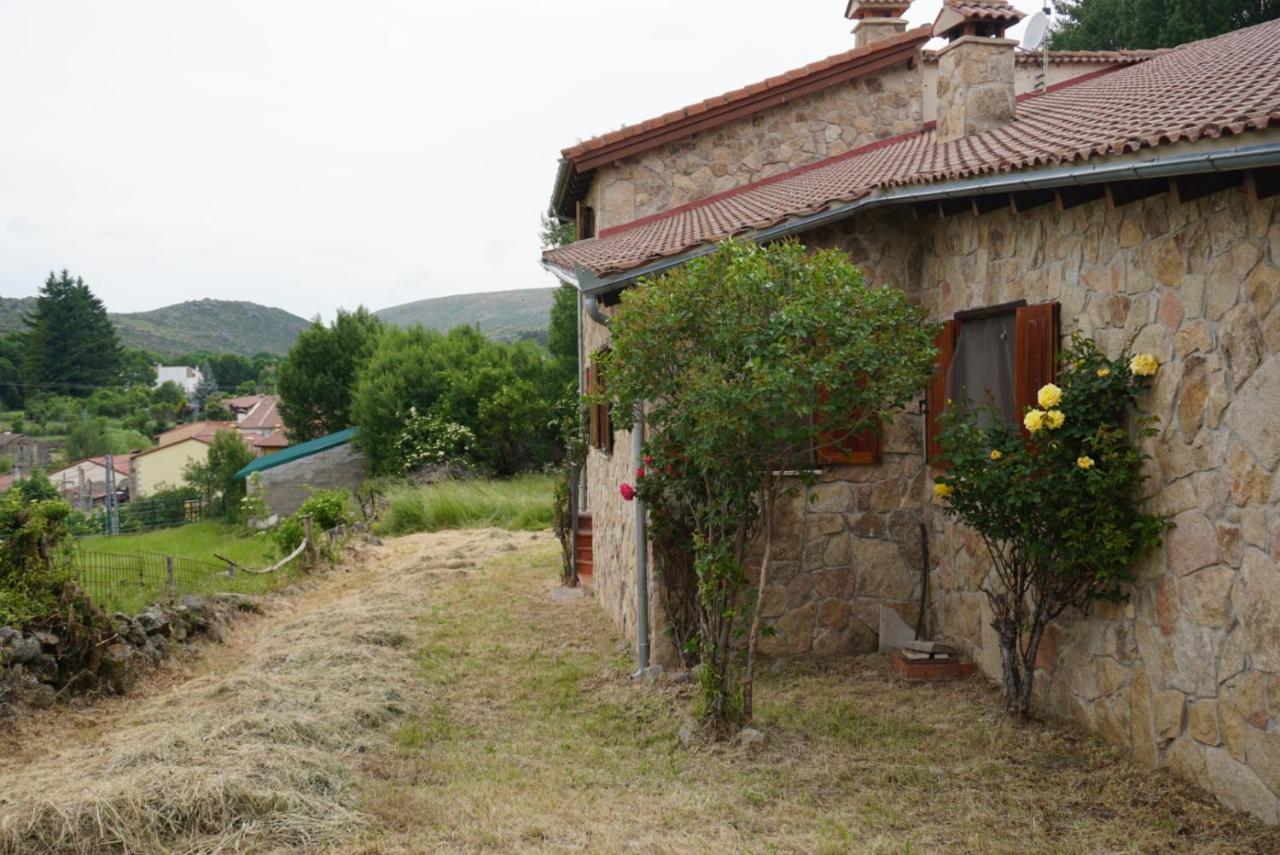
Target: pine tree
<point>1147,24</point>
<point>71,344</point>
<point>207,387</point>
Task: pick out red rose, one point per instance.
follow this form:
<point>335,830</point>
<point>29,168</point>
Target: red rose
<point>628,492</point>
<point>640,472</point>
<point>648,460</point>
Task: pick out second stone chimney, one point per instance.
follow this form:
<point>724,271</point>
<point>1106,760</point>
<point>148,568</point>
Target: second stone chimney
<point>976,68</point>
<point>876,20</point>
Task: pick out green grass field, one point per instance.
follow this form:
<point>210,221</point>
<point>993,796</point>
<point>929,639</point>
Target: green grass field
<point>136,577</point>
<point>519,504</point>
<point>204,541</point>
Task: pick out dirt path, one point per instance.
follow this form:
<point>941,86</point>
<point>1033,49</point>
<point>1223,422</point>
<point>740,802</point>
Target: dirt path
<point>256,744</point>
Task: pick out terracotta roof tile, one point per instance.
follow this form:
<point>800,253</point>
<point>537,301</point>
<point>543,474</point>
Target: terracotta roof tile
<point>676,117</point>
<point>265,414</point>
<point>1223,86</point>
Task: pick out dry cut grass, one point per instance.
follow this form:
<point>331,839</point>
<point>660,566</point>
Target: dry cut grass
<point>259,752</point>
<point>434,699</point>
<point>532,738</point>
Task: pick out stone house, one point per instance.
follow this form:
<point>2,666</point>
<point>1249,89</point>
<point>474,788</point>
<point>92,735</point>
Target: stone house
<point>1131,196</point>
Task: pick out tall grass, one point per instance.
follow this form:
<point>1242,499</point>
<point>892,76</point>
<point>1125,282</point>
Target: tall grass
<point>518,504</point>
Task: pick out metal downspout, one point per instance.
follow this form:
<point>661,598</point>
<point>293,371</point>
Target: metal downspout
<point>642,550</point>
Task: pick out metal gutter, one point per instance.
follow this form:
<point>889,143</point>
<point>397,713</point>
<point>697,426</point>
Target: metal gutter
<point>1220,160</point>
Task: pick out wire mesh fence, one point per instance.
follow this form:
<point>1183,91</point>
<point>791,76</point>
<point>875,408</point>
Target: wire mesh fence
<point>132,581</point>
<point>117,582</point>
<point>149,515</point>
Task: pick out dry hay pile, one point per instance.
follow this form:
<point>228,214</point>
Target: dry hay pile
<point>260,756</point>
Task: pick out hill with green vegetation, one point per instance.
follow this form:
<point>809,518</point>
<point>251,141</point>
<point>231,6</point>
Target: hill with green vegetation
<point>219,326</point>
<point>503,315</point>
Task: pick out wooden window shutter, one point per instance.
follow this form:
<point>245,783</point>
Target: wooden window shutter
<point>1035,351</point>
<point>936,394</point>
<point>593,411</point>
<point>863,449</point>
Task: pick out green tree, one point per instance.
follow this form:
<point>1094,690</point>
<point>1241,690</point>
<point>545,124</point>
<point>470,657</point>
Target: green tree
<point>317,379</point>
<point>1147,24</point>
<point>1057,511</point>
<point>87,438</point>
<point>744,360</point>
<point>138,367</point>
<point>502,392</point>
<point>562,339</point>
<point>11,348</point>
<point>555,233</point>
<point>71,343</point>
<point>205,389</point>
<point>215,476</point>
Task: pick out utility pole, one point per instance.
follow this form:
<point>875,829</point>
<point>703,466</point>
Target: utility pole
<point>113,516</point>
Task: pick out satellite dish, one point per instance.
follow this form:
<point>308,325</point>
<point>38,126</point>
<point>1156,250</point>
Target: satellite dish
<point>1033,36</point>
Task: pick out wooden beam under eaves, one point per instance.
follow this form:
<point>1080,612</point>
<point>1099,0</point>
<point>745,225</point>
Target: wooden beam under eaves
<point>1188,188</point>
<point>1124,192</point>
<point>1262,183</point>
<point>1071,197</point>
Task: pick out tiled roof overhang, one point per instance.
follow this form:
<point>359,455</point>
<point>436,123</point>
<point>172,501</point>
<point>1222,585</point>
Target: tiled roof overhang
<point>579,162</point>
<point>1222,87</point>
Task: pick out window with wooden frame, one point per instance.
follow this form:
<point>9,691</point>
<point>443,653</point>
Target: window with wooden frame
<point>599,417</point>
<point>839,447</point>
<point>586,221</point>
<point>998,357</point>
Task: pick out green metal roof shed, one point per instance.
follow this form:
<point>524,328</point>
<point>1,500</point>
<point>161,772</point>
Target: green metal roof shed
<point>297,452</point>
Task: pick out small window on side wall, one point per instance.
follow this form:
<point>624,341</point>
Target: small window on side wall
<point>997,357</point>
<point>599,417</point>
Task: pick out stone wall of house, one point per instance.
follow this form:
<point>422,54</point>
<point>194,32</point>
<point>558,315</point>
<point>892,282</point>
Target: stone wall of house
<point>847,546</point>
<point>287,486</point>
<point>1187,674</point>
<point>864,110</point>
<point>613,539</point>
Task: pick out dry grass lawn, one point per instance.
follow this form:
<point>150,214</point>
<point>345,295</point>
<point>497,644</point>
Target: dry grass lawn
<point>433,698</point>
<point>534,739</point>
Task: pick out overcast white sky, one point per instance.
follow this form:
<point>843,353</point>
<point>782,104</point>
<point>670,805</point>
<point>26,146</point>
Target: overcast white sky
<point>311,154</point>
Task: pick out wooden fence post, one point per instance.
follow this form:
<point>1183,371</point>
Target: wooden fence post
<point>311,541</point>
<point>168,570</point>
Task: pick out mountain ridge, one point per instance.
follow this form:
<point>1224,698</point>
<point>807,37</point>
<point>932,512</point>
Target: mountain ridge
<point>523,313</point>
<point>219,326</point>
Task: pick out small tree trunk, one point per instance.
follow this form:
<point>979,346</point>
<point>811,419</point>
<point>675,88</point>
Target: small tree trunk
<point>1011,663</point>
<point>753,638</point>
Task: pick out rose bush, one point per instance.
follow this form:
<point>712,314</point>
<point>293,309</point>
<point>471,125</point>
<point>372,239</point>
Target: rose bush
<point>1058,508</point>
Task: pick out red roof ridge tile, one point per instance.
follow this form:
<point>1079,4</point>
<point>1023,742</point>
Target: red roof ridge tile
<point>819,164</point>
<point>675,117</point>
<point>1223,86</point>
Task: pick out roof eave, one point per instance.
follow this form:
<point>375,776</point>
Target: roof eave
<point>1218,160</point>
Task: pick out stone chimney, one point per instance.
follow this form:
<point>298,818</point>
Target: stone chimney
<point>876,20</point>
<point>976,68</point>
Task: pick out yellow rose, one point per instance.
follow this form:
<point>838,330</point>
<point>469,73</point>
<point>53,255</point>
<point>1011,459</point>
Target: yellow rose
<point>1034,420</point>
<point>1054,419</point>
<point>941,490</point>
<point>996,455</point>
<point>1085,462</point>
<point>1104,371</point>
<point>1144,365</point>
<point>1049,397</point>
